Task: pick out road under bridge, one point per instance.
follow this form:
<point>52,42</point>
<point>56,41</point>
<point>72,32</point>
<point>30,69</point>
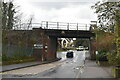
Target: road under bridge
<point>46,47</point>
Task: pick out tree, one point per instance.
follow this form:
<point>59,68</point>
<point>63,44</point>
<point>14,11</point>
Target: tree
<point>4,15</point>
<point>109,17</point>
<point>117,19</point>
<point>106,14</point>
<point>29,25</point>
<point>11,13</point>
<point>0,15</point>
<point>81,42</point>
<point>8,15</point>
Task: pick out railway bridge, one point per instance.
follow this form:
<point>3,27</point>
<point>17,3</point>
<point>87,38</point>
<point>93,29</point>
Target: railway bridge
<point>45,47</point>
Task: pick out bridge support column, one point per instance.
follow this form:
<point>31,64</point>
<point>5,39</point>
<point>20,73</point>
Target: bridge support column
<point>52,48</point>
<point>38,46</point>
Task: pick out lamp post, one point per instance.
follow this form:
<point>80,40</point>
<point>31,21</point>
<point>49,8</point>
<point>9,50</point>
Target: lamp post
<point>94,24</point>
<point>92,48</point>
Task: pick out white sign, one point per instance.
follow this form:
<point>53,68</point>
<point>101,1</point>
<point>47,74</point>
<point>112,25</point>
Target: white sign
<point>38,46</point>
<point>46,46</point>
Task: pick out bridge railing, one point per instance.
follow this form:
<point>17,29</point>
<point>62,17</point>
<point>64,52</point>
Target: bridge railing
<point>27,26</point>
<point>52,25</point>
<point>64,25</point>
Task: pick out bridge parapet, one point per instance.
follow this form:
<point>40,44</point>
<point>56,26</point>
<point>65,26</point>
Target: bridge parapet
<point>64,25</point>
<point>53,25</point>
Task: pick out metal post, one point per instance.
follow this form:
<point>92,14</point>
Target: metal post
<point>41,25</point>
<point>31,25</point>
<point>68,26</point>
<point>57,25</point>
<point>77,26</point>
<point>47,24</point>
<point>86,26</point>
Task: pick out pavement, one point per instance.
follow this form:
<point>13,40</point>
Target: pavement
<point>69,69</point>
<point>24,65</point>
<point>93,70</point>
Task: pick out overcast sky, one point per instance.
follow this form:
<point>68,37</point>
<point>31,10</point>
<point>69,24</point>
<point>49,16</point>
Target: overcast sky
<point>58,10</point>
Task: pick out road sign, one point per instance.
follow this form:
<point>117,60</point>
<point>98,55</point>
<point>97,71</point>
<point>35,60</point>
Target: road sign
<point>38,46</point>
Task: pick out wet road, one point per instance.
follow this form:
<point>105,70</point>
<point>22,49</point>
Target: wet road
<point>72,68</point>
<point>65,68</point>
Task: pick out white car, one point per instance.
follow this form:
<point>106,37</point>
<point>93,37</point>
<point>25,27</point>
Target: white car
<point>80,48</point>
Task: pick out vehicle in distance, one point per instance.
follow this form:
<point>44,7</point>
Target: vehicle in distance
<point>86,48</point>
<point>70,54</point>
<point>80,48</point>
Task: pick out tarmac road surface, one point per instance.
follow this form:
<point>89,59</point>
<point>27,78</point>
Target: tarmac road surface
<point>65,68</point>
